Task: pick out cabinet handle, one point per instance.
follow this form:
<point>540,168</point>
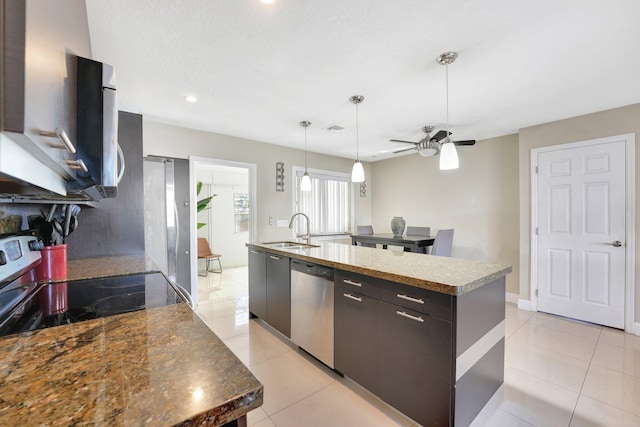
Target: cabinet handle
<point>353,297</point>
<point>351,282</point>
<point>254,252</point>
<point>408,316</point>
<point>274,257</point>
<point>408,298</point>
<point>62,136</point>
<point>77,164</point>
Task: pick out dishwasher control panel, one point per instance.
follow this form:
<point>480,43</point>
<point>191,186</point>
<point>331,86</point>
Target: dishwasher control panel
<point>312,269</point>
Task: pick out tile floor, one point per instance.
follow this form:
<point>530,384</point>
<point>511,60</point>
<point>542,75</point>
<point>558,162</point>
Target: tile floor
<point>557,372</point>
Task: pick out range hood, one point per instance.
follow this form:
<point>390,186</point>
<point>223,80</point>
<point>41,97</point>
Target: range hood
<point>27,174</point>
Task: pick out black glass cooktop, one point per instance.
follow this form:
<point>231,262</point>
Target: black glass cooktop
<point>76,301</point>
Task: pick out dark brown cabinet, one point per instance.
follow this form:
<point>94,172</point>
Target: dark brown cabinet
<point>416,364</point>
<point>258,283</point>
<point>270,289</point>
<point>397,342</point>
<point>356,337</point>
<point>279,293</point>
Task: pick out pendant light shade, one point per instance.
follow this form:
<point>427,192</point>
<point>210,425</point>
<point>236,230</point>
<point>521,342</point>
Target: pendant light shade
<point>305,183</point>
<point>448,156</point>
<point>448,152</point>
<point>357,173</point>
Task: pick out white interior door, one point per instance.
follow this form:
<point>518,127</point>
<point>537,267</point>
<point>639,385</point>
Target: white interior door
<point>581,219</point>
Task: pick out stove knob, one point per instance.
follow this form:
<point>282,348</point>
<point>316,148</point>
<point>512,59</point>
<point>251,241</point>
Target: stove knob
<point>3,258</point>
<point>36,245</point>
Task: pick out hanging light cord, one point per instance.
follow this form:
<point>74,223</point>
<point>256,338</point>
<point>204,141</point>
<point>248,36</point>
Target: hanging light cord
<point>305,149</point>
<point>357,135</point>
<point>446,71</point>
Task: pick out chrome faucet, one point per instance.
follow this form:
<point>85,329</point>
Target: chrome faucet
<point>307,236</point>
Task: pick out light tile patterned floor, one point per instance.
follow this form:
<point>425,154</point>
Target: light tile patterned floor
<point>557,372</point>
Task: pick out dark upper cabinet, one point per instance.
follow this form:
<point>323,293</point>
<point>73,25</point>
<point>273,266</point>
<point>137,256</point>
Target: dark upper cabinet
<point>40,42</point>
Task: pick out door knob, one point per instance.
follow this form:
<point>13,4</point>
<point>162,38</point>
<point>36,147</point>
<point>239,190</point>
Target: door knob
<point>616,243</point>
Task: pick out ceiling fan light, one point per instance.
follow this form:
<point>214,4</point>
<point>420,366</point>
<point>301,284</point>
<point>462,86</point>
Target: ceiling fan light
<point>357,173</point>
<point>448,157</point>
<point>428,152</point>
<point>305,184</point>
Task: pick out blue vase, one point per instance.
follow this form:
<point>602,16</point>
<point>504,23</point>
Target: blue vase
<point>397,226</point>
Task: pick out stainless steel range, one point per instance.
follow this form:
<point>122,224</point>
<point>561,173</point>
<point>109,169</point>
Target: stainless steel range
<point>26,305</point>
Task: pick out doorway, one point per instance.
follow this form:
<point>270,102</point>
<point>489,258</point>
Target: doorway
<point>583,228</point>
<point>230,221</point>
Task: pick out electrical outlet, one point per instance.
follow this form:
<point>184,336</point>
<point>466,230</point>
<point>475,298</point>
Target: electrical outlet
<point>270,220</point>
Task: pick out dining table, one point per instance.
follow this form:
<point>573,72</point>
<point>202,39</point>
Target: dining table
<point>410,243</point>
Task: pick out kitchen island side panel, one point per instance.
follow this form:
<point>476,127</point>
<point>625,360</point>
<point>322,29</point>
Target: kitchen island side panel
<point>479,354</point>
<point>478,312</point>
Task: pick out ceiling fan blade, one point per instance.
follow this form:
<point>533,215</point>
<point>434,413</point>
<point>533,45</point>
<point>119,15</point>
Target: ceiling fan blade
<point>440,135</point>
<point>467,142</point>
<point>400,140</point>
<point>406,149</point>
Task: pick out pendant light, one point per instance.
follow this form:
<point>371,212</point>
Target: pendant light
<point>357,173</point>
<point>305,184</point>
<point>448,153</point>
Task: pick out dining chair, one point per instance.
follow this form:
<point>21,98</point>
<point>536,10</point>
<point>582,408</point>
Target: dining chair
<point>419,231</point>
<point>204,252</point>
<point>365,229</point>
<point>443,242</point>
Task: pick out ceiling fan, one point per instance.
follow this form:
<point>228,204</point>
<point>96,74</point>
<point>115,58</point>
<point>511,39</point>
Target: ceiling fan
<point>430,145</point>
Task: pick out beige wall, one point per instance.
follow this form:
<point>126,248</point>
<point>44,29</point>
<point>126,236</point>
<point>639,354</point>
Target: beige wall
<point>173,141</point>
<point>479,200</point>
<point>606,123</point>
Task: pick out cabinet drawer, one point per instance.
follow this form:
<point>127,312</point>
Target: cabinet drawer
<point>422,300</point>
<point>359,283</point>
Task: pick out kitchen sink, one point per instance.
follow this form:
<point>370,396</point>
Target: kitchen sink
<point>290,245</point>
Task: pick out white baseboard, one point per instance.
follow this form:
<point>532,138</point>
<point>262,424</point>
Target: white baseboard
<point>524,304</point>
<point>635,328</point>
<point>512,298</point>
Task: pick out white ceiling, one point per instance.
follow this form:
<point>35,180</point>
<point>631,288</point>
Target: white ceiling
<point>258,70</point>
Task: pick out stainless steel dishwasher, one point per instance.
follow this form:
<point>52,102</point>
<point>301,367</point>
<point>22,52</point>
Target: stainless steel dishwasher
<point>312,309</point>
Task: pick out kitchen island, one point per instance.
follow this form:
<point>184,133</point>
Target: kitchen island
<point>423,333</point>
<point>159,366</point>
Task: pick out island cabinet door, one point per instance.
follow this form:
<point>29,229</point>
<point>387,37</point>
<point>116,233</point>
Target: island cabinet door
<point>258,284</point>
<point>279,293</point>
<point>416,354</point>
<point>356,337</point>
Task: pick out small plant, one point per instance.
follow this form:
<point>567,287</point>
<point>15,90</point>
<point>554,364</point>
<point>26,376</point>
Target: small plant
<point>202,203</point>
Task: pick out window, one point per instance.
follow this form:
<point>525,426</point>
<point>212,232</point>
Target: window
<point>329,203</point>
<point>241,211</point>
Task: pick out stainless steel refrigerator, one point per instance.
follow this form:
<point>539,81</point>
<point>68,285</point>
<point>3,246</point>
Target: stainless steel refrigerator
<point>166,217</point>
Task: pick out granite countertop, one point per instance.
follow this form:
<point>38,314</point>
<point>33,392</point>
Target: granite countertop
<point>105,266</point>
<point>447,275</point>
<point>161,366</point>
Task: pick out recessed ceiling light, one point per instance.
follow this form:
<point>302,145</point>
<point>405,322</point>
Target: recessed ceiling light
<point>266,1</point>
<point>191,98</point>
